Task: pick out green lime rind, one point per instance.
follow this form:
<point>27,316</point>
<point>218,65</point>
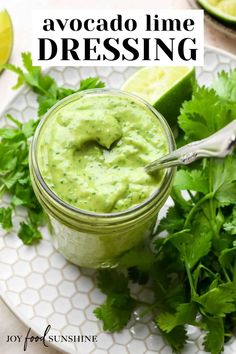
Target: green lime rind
<point>170,102</point>
<point>218,14</point>
<point>165,88</point>
<point>6,37</point>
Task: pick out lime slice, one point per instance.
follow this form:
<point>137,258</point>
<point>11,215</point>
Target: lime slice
<point>6,36</point>
<point>163,87</point>
<point>223,10</point>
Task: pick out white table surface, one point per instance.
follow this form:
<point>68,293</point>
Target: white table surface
<point>20,11</point>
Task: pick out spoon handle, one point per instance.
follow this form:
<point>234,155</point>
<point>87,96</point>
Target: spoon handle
<point>218,144</point>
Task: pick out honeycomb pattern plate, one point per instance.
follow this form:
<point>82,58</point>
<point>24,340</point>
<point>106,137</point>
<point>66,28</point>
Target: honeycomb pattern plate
<point>42,288</point>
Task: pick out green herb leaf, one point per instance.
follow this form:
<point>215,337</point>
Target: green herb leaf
<point>115,312</point>
<point>192,247</point>
<point>119,305</point>
<point>112,281</point>
<point>6,218</point>
<point>91,83</point>
<point>176,339</point>
<point>220,300</point>
<point>214,340</point>
<point>224,180</point>
<point>230,224</point>
<point>194,180</point>
<point>185,314</point>
<point>140,257</point>
<point>227,259</point>
<point>225,86</point>
<point>29,234</point>
<point>173,221</point>
<point>204,114</point>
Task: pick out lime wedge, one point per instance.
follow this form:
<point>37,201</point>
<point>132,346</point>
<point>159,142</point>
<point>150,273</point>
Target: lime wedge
<point>6,36</point>
<point>223,10</point>
<point>163,87</point>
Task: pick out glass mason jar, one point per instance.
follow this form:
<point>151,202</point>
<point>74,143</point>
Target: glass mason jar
<point>90,239</point>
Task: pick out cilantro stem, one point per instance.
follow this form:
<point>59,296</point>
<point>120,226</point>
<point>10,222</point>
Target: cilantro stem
<point>234,271</point>
<point>15,121</point>
<point>178,199</point>
<point>226,274</point>
<point>211,188</point>
<point>46,93</point>
<point>176,234</point>
<point>208,270</point>
<point>190,279</point>
<point>2,188</point>
<point>191,196</point>
<point>211,207</point>
<point>148,309</point>
<point>196,206</point>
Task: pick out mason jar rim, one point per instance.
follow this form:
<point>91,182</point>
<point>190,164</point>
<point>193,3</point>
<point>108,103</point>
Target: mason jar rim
<point>166,180</point>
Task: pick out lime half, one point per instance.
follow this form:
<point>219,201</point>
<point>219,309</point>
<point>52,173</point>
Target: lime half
<point>223,10</point>
<point>163,87</point>
<point>6,36</point>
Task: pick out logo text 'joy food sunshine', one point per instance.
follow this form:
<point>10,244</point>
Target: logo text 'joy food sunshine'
<point>118,37</point>
<point>49,338</point>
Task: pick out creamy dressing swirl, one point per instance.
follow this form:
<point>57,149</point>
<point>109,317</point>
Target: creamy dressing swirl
<point>92,152</point>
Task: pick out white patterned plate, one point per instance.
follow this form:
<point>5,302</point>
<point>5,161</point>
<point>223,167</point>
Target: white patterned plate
<point>42,288</point>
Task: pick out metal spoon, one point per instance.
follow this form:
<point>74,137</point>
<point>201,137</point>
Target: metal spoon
<point>218,144</point>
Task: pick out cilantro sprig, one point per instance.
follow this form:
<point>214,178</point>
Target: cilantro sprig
<point>15,179</point>
<point>192,270</point>
<point>46,88</point>
<point>14,148</point>
<point>119,305</point>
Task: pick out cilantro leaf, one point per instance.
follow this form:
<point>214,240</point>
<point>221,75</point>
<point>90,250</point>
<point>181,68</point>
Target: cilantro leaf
<point>15,179</point>
<point>193,180</point>
<point>29,234</point>
<point>16,70</point>
<point>29,127</point>
<point>90,83</point>
<point>119,305</point>
<point>176,338</point>
<point>6,218</point>
<point>192,247</point>
<point>173,221</point>
<point>45,103</point>
<point>138,276</point>
<point>185,314</point>
<point>140,257</point>
<point>219,301</point>
<point>230,224</point>
<point>56,93</point>
<point>204,114</point>
<point>214,339</point>
<point>49,93</point>
<point>8,158</point>
<point>225,86</point>
<point>112,281</point>
<point>224,180</point>
<point>227,258</point>
<point>115,312</point>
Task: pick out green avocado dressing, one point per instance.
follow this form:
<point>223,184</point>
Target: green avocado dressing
<point>92,152</point>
